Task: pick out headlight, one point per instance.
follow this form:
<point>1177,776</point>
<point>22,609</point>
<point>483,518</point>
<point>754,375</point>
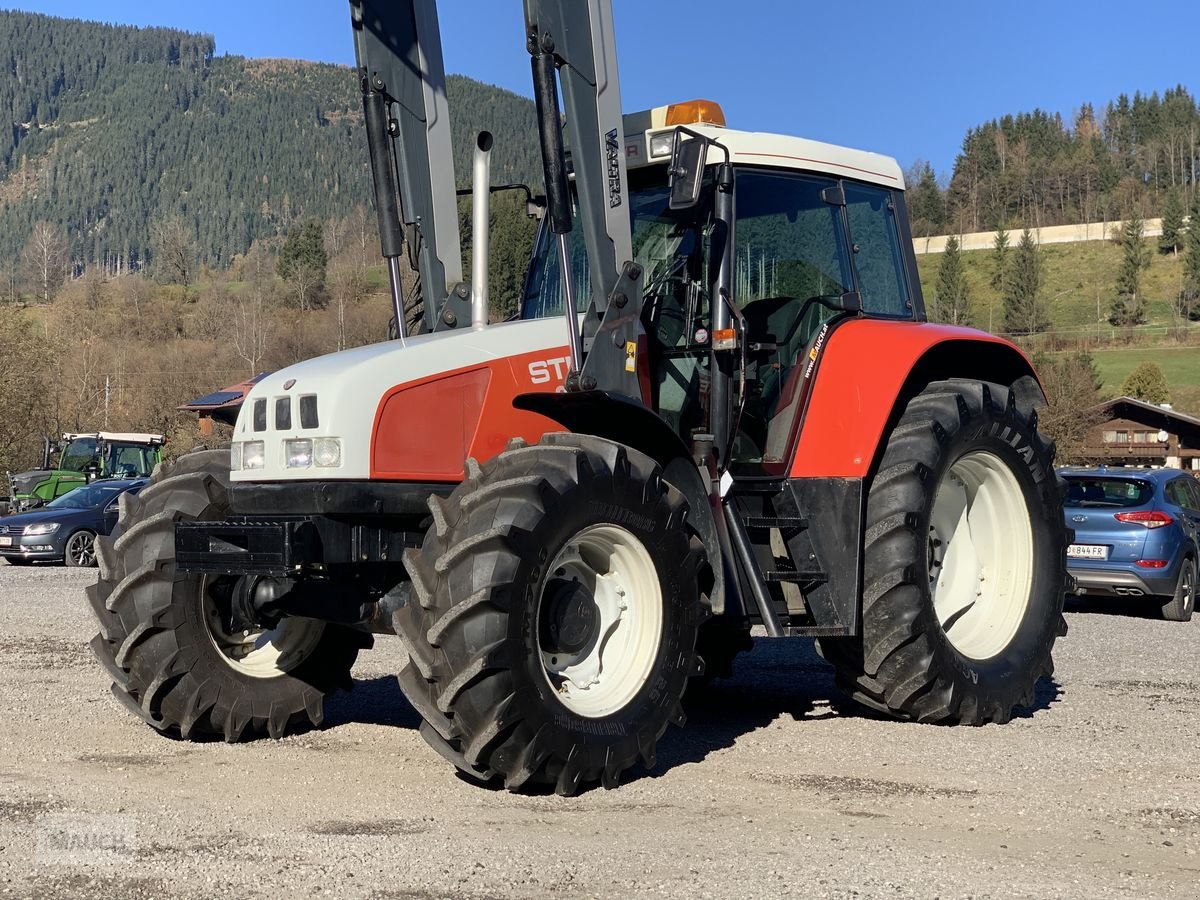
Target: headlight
<point>327,452</point>
<point>298,454</point>
<point>42,528</point>
<point>661,144</point>
<point>235,456</point>
<point>254,454</point>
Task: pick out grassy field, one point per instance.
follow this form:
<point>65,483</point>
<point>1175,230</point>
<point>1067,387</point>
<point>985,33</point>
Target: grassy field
<point>1079,282</point>
<point>1181,365</point>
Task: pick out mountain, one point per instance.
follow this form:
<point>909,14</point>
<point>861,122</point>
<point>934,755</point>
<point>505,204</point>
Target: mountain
<point>116,129</point>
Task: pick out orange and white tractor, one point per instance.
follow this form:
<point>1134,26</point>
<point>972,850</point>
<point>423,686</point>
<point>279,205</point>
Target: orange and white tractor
<point>719,407</point>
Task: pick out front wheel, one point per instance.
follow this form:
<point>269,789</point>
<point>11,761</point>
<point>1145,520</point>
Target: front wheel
<point>559,598</point>
<point>1179,607</point>
<point>165,637</point>
<point>81,550</point>
<point>963,563</point>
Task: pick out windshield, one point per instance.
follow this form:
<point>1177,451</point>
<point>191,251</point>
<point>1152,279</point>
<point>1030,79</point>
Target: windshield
<point>663,241</point>
<point>1108,492</point>
<point>79,454</point>
<point>89,497</point>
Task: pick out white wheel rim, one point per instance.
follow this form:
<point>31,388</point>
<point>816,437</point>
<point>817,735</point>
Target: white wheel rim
<point>980,555</point>
<point>262,653</point>
<point>614,568</point>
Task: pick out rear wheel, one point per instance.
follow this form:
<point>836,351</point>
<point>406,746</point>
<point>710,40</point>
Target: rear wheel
<point>81,550</point>
<point>557,616</point>
<point>165,637</point>
<point>1179,607</point>
<point>964,562</point>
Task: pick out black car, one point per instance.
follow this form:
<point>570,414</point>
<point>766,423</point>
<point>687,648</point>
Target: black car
<point>64,529</point>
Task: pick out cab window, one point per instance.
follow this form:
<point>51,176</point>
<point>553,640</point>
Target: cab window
<point>877,257</point>
<point>792,254</point>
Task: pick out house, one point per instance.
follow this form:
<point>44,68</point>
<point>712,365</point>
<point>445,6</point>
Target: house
<point>222,405</point>
<point>1129,432</point>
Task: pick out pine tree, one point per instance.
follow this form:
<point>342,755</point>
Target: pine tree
<point>1024,310</point>
<point>999,257</point>
<point>1129,307</point>
<point>926,206</point>
<point>302,263</point>
<point>1147,383</point>
<point>950,293</point>
<point>1191,260</point>
<point>1172,225</point>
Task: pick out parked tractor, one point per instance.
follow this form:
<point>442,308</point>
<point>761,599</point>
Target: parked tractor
<point>79,459</point>
<point>720,407</point>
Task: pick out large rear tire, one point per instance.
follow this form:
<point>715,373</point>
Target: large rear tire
<point>558,604</point>
<point>162,640</point>
<point>964,563</point>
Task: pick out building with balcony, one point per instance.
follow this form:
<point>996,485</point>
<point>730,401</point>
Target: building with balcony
<point>1129,432</point>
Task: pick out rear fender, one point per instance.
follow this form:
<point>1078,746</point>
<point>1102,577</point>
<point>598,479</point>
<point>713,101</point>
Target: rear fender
<point>627,422</point>
<point>869,371</point>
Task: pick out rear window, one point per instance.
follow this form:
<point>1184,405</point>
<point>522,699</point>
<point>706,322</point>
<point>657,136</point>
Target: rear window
<point>1111,492</point>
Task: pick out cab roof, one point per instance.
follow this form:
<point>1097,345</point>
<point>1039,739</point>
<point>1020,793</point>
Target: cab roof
<point>760,148</point>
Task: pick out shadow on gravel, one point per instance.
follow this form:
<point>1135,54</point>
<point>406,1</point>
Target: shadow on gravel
<point>376,701</point>
<point>780,677</point>
<point>1130,607</point>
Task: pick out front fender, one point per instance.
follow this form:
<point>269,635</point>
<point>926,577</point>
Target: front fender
<point>871,368</point>
<point>627,422</point>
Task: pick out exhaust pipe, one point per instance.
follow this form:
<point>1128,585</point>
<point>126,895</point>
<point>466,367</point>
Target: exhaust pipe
<point>480,213</point>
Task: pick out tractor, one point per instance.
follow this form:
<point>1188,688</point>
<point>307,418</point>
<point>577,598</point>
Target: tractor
<point>82,458</point>
<point>719,407</point>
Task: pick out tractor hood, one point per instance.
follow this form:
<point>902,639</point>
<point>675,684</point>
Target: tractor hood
<point>23,483</point>
<point>372,400</point>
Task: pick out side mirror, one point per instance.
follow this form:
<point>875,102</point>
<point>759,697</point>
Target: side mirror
<point>687,170</point>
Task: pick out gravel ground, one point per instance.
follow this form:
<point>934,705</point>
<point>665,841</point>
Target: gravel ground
<point>775,787</point>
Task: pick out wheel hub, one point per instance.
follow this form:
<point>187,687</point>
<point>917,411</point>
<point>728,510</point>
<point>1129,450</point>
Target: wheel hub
<point>600,620</point>
<point>570,617</point>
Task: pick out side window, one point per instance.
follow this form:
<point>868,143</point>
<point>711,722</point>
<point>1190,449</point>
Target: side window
<point>1193,493</point>
<point>1183,492</point>
<point>877,255</point>
<point>1176,492</point>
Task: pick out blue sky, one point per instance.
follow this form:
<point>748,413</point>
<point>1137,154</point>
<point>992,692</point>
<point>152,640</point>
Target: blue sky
<point>906,79</point>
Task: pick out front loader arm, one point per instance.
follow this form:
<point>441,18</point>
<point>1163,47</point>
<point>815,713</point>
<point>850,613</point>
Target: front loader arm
<point>399,51</point>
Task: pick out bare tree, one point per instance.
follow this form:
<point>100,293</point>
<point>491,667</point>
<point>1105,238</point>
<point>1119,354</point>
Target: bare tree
<point>174,248</point>
<point>44,259</point>
<point>335,236</point>
<point>363,230</point>
<point>251,330</point>
<point>349,289</point>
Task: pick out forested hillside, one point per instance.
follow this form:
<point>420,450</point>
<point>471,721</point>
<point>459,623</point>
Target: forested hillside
<point>1036,169</point>
<point>127,138</point>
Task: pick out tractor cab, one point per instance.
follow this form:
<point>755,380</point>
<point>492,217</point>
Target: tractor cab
<point>819,236</point>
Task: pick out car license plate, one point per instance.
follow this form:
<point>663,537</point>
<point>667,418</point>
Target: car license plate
<point>1088,551</point>
<point>5,542</point>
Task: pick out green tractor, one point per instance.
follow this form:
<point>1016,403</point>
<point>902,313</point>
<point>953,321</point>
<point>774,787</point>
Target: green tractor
<point>79,459</point>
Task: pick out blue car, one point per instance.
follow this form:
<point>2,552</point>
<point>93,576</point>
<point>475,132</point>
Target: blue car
<point>1135,535</point>
<point>65,528</point>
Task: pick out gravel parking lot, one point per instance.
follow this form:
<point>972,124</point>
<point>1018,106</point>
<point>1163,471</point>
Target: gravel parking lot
<point>775,787</point>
